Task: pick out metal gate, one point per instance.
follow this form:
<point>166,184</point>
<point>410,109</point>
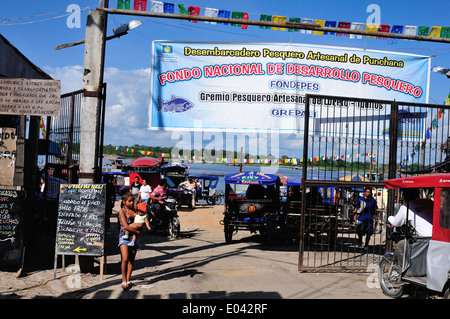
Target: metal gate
<point>350,144</point>
<point>64,131</point>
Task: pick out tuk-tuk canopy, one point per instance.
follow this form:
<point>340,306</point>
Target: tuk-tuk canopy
<point>252,177</point>
<point>180,165</point>
<point>422,181</point>
<point>441,184</point>
<point>294,181</point>
<point>211,177</point>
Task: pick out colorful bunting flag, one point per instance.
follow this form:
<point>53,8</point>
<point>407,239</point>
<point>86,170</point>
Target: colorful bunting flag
<point>160,6</point>
<point>140,5</point>
<point>157,6</point>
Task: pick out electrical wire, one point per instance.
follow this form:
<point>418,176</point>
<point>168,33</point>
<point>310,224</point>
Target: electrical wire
<point>5,21</point>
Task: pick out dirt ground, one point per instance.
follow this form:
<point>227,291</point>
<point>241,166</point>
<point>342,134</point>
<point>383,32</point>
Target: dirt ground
<point>198,265</point>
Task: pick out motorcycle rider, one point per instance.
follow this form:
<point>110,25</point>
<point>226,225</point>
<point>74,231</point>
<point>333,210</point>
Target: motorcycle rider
<point>190,183</point>
<point>157,197</point>
<point>420,215</point>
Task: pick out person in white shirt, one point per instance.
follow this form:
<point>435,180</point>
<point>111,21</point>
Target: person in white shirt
<point>144,192</point>
<point>420,216</point>
<point>420,213</point>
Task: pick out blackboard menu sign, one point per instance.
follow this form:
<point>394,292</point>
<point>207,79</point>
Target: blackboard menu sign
<point>11,227</point>
<point>81,219</point>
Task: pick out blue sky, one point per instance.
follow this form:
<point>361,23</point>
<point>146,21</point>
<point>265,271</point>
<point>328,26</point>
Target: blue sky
<point>37,27</point>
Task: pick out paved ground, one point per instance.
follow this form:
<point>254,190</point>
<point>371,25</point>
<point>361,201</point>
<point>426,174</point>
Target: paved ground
<point>198,265</point>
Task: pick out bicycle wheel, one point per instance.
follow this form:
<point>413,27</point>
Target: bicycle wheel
<point>389,277</point>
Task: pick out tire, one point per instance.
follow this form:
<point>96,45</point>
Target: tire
<point>174,227</point>
<point>213,200</point>
<point>389,277</point>
<point>447,293</point>
<point>193,202</point>
<point>228,233</point>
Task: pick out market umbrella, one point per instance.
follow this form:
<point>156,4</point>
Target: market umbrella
<point>144,162</point>
<point>354,178</point>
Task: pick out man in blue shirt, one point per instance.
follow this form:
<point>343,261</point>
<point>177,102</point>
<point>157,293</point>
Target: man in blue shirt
<point>365,210</point>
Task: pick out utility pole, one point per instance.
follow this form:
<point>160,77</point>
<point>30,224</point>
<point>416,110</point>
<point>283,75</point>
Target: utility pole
<point>94,59</point>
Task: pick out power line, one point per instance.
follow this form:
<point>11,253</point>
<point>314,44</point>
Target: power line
<point>4,21</point>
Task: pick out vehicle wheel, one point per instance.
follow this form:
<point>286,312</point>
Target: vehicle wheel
<point>447,293</point>
<point>268,232</point>
<point>174,227</point>
<point>228,233</point>
<point>214,200</point>
<point>389,277</point>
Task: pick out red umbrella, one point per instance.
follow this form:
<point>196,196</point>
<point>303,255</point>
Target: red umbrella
<point>144,162</point>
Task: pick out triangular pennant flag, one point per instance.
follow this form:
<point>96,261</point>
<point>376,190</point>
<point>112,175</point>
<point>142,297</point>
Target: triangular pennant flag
<point>321,23</point>
<point>211,12</point>
<point>294,20</point>
<point>169,7</point>
<point>435,32</point>
<point>331,24</point>
<point>237,15</point>
<point>224,14</point>
<point>307,20</point>
<point>445,32</point>
<point>371,27</point>
<point>157,6</point>
<point>397,29</point>
<point>194,11</point>
<point>356,26</point>
<point>140,5</point>
<point>123,4</point>
<point>279,19</point>
<point>265,17</point>
<point>343,25</point>
<point>182,9</point>
<point>410,30</point>
<point>423,31</point>
<point>383,28</point>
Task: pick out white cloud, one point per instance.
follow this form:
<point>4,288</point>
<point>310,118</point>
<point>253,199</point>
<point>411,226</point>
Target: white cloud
<point>71,77</point>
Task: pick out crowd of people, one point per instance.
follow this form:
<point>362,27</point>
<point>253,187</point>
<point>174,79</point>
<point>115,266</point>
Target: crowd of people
<point>136,201</point>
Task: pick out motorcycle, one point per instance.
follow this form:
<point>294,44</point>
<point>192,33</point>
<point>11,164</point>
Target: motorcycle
<point>186,196</point>
<point>425,263</point>
<point>166,219</point>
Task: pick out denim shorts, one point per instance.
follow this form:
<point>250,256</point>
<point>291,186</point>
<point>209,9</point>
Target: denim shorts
<point>128,242</point>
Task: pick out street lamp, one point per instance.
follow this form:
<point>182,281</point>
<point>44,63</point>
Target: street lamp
<point>441,70</point>
<point>118,32</point>
<point>122,30</point>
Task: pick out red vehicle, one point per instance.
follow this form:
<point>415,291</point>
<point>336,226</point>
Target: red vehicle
<point>426,261</point>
